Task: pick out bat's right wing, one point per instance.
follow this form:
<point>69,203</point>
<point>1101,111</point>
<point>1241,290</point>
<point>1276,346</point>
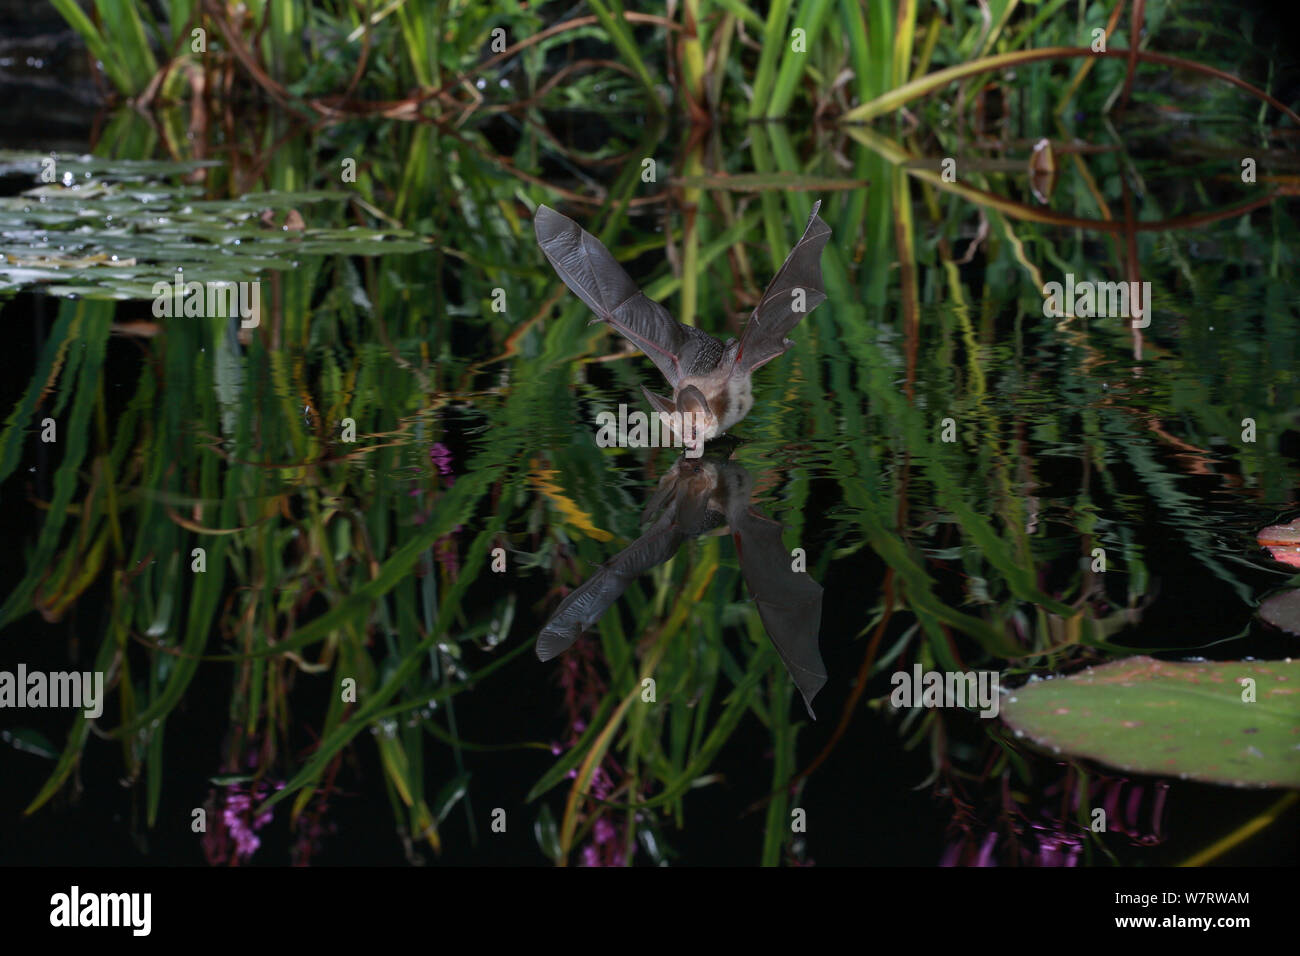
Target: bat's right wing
<point>595,277</point>
<point>796,290</point>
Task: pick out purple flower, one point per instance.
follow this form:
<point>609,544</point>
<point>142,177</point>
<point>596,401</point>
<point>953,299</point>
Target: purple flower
<point>441,456</point>
<point>601,785</point>
<point>240,824</point>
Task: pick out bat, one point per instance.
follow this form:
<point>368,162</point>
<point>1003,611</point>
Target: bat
<point>710,379</point>
<point>697,496</point>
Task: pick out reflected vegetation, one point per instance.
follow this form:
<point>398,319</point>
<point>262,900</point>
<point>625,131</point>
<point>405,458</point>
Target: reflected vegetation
<point>702,495</point>
<point>316,552</point>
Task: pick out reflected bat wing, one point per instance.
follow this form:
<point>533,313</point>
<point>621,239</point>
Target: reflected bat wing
<point>584,606</point>
<point>789,602</point>
<point>775,317</point>
<point>595,277</point>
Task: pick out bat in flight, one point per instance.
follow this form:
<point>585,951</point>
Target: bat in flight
<point>697,496</point>
<point>710,379</point>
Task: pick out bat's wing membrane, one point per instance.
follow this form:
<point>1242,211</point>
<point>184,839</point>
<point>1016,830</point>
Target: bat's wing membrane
<point>595,277</point>
<point>789,602</point>
<point>796,291</point>
<point>584,606</point>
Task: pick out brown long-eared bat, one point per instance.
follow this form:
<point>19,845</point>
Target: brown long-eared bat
<point>710,379</point>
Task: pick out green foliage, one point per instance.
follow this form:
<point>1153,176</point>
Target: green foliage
<point>330,561</point>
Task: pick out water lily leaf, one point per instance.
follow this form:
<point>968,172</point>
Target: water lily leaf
<point>1185,719</point>
<point>1282,542</point>
<point>110,241</point>
<point>26,161</point>
<point>1283,610</point>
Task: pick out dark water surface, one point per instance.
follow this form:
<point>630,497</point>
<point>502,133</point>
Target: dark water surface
<point>475,429</point>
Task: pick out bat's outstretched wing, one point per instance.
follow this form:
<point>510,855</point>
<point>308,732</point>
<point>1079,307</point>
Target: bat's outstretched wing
<point>594,275</point>
<point>796,291</point>
<point>789,602</point>
<point>584,606</point>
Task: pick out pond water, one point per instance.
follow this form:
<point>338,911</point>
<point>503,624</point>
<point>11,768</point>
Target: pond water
<point>313,555</point>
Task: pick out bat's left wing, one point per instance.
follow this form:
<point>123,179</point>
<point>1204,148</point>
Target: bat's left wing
<point>796,291</point>
<point>594,275</point>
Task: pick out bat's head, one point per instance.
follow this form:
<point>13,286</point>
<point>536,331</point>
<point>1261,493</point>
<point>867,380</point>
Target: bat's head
<point>699,423</point>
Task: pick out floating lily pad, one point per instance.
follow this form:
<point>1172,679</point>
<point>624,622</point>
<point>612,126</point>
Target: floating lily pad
<point>1183,719</point>
<point>1283,610</point>
<point>90,234</point>
<point>14,161</point>
<point>1282,542</point>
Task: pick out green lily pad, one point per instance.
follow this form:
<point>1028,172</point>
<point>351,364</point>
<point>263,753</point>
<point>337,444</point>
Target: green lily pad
<point>1283,610</point>
<point>106,240</point>
<point>1183,719</point>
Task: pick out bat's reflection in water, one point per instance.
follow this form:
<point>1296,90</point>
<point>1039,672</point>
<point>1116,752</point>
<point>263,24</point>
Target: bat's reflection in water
<point>698,495</point>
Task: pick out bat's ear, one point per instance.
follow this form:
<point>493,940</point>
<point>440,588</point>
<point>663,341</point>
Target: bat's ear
<point>691,401</point>
<point>657,402</point>
<point>697,416</point>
